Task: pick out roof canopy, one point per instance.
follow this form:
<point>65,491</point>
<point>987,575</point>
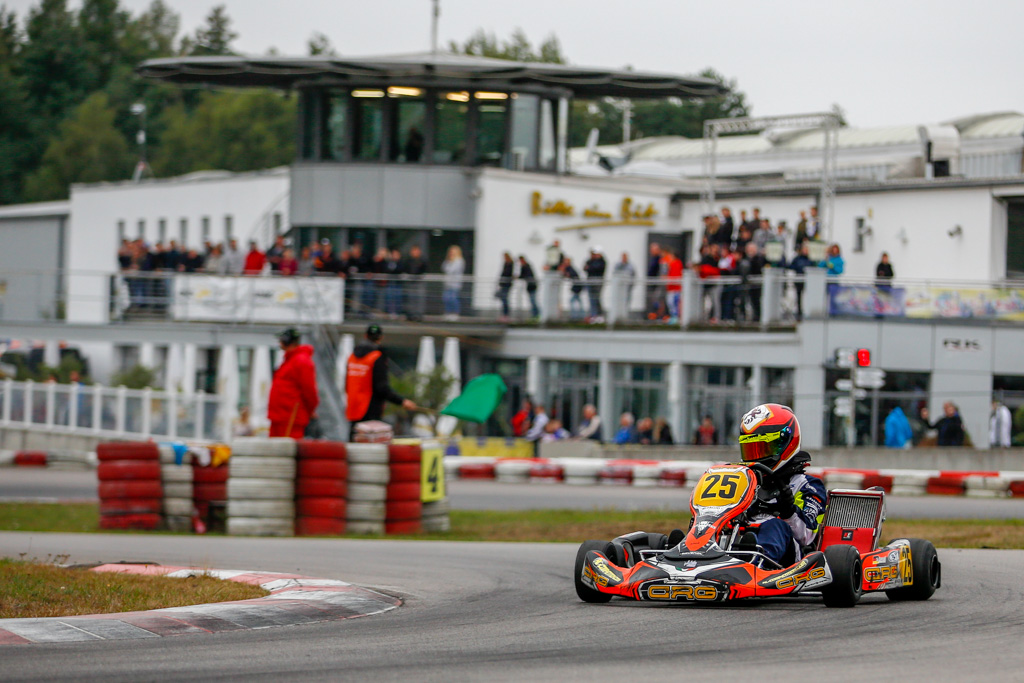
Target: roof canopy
<point>425,70</point>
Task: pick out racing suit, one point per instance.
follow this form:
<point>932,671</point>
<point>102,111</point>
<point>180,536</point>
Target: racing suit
<point>790,522</point>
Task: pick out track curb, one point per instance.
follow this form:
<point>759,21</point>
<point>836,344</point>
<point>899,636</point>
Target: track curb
<point>293,600</point>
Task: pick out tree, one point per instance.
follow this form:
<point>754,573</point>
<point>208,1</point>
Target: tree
<point>102,25</point>
<point>319,44</point>
<point>517,48</point>
<point>215,38</point>
<point>88,148</point>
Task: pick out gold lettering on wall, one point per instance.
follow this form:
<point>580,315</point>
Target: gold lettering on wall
<point>631,212</point>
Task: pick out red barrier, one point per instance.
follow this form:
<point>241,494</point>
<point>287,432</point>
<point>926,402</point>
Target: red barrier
<point>30,459</point>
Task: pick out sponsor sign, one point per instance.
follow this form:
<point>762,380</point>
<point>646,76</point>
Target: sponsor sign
<point>257,299</point>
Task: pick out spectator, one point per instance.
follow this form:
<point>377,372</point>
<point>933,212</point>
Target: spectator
<point>595,268</point>
<point>834,262</point>
<point>539,422</point>
<point>505,283</point>
<point>234,260</point>
<point>276,253</point>
<point>414,269</point>
<point>706,434</point>
<point>884,274</point>
<point>590,426</point>
<point>1000,426</point>
<point>366,382</point>
<point>662,432</point>
<point>394,269</point>
<point>575,303</point>
<point>762,235</point>
<point>627,431</point>
<point>288,264</point>
<point>214,261</point>
<point>754,223</point>
<point>898,433</point>
<point>655,301</point>
<point>171,257</point>
<point>799,265</point>
<point>775,248</point>
<point>254,260</point>
<point>745,235</point>
<point>553,256</point>
<point>454,267</point>
<point>379,268</point>
<point>293,394</point>
<point>674,286</point>
<point>728,265</point>
<point>950,427</point>
<point>814,225</point>
<point>627,273</point>
<point>522,419</point>
<point>727,227</point>
<point>124,255</point>
<point>242,424</point>
<point>357,268</point>
<point>307,264</point>
<point>554,431</point>
<point>527,276</point>
<point>707,270</point>
<point>645,431</point>
<point>751,268</point>
<point>801,232</point>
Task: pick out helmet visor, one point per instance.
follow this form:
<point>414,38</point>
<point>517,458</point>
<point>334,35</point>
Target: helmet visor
<point>759,447</point>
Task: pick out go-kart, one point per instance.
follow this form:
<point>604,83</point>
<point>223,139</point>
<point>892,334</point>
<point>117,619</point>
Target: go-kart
<point>716,561</point>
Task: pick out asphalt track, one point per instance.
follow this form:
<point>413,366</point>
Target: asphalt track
<point>21,483</point>
<point>508,612</point>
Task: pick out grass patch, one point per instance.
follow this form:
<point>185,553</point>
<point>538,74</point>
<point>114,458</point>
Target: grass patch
<point>555,526</point>
<point>38,589</point>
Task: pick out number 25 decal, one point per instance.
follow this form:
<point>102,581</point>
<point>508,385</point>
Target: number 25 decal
<point>722,486</point>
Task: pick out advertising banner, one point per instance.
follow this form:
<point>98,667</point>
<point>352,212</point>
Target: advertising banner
<point>920,301</point>
<point>866,300</point>
<point>257,299</point>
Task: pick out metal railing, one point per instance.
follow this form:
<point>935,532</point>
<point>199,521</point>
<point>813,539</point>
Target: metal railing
<point>114,412</point>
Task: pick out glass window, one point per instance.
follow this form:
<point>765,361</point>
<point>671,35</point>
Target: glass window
<point>183,231</point>
<point>524,131</point>
<point>121,231</point>
<point>229,225</point>
<point>335,134</point>
<point>162,230</point>
<point>547,136</point>
<point>309,105</point>
<point>492,114</point>
<point>639,389</point>
<point>410,115</point>
<point>206,229</point>
<point>450,127</point>
<point>142,228</point>
<point>369,124</point>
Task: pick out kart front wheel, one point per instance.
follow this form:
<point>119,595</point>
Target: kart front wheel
<point>586,593</point>
<point>847,576</point>
<point>927,572</point>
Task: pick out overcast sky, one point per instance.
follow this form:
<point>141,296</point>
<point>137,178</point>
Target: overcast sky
<point>894,62</point>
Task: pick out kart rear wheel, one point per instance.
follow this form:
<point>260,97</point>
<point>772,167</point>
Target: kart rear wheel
<point>927,572</point>
<point>585,592</point>
<point>847,576</point>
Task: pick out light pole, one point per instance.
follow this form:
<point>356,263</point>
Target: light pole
<point>141,168</point>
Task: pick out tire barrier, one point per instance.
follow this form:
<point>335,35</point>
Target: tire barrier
<point>435,516</point>
<point>403,508</point>
<point>369,474</point>
<point>130,486</point>
<point>210,496</point>
<point>30,458</point>
<point>176,473</point>
<point>321,488</point>
<point>261,500</point>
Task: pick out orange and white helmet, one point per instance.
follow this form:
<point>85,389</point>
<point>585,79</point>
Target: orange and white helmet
<point>770,435</point>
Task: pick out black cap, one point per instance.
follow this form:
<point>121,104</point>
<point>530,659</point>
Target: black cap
<point>373,332</point>
<point>289,336</point>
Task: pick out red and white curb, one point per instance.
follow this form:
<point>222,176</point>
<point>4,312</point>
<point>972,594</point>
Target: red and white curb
<point>293,600</point>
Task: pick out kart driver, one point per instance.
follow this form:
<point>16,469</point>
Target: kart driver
<point>792,502</point>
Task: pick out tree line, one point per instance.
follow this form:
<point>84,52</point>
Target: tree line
<point>71,105</point>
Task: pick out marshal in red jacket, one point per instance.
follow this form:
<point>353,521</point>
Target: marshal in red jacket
<point>294,388</point>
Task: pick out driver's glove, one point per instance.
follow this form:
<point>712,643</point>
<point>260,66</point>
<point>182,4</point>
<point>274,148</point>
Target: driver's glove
<point>785,506</point>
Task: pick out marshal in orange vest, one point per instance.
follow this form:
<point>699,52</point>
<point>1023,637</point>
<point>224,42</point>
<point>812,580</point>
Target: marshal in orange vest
<point>359,384</point>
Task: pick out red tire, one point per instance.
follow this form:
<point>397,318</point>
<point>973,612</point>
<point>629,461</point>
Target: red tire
<point>321,450</point>
<point>402,510</point>
<point>321,468</point>
<point>320,507</point>
<point>210,475</point>
<point>131,489</point>
<point>129,506</point>
<point>410,526</point>
<point>476,470</point>
<point>128,470</point>
<point>319,526</point>
<point>208,492</point>
<point>945,486</point>
<point>672,478</point>
<point>146,522</point>
<point>404,491</point>
<point>878,480</point>
<point>404,454</point>
<point>127,450</point>
<point>30,458</point>
<point>405,473</point>
<point>321,488</point>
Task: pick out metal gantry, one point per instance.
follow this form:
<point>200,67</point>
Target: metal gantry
<point>827,122</point>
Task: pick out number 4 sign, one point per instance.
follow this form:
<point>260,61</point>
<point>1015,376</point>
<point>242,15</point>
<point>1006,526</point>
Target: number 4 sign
<point>432,474</point>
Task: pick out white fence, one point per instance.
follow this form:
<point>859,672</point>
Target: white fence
<point>114,412</point>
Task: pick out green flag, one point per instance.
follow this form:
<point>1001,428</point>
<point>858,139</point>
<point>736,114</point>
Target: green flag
<point>478,399</point>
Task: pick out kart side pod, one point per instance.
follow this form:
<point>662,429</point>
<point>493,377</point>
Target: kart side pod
<point>853,517</point>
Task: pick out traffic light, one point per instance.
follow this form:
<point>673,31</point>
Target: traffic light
<point>863,358</point>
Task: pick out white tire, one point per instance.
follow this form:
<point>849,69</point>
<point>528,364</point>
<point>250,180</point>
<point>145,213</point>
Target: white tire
<point>513,469</point>
<point>261,526</point>
<point>367,493</point>
<point>436,524</point>
<point>178,490</point>
<point>178,522</point>
<point>368,453</point>
<point>178,506</point>
<point>167,455</point>
<point>371,512</point>
<point>437,507</point>
<point>581,480</point>
<point>907,490</point>
<point>261,508</point>
<point>364,527</point>
<point>260,489</point>
<point>176,474</point>
<point>281,447</point>
<point>583,467</point>
<point>262,467</point>
<point>362,473</point>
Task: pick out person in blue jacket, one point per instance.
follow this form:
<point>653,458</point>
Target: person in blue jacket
<point>834,261</point>
<point>897,429</point>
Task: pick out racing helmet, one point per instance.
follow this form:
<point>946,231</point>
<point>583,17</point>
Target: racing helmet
<point>770,435</point>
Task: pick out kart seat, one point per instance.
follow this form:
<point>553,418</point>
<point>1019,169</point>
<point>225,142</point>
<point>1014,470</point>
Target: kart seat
<point>677,554</point>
